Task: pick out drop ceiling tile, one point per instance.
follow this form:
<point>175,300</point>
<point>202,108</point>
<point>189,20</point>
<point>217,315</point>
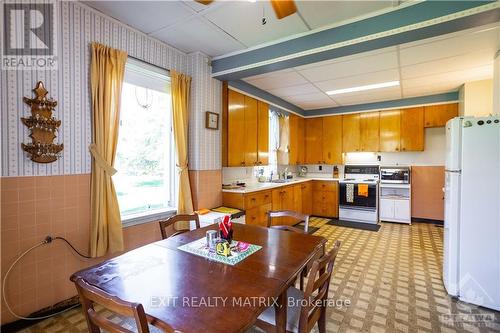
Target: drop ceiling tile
<point>321,13</point>
<point>294,90</point>
<point>427,90</point>
<point>319,96</point>
<point>146,16</point>
<point>243,20</point>
<point>265,75</point>
<point>311,105</point>
<point>360,65</point>
<point>277,80</point>
<point>359,80</point>
<point>452,64</point>
<point>449,79</point>
<point>486,40</point>
<point>198,35</point>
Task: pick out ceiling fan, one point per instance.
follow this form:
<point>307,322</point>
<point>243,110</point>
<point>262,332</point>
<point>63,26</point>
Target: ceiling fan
<point>282,8</point>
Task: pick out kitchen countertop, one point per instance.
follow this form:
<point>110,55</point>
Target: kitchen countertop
<point>255,187</point>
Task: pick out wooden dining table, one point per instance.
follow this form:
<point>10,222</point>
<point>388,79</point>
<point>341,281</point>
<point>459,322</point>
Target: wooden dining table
<point>191,293</point>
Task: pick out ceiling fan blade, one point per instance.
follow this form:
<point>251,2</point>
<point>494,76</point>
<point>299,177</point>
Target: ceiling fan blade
<point>205,2</point>
<point>283,8</point>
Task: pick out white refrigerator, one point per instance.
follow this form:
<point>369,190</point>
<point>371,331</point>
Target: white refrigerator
<point>471,262</point>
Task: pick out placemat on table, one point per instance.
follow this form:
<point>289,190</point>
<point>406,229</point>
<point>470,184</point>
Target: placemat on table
<point>199,248</point>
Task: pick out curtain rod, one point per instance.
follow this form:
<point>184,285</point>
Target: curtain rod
<point>135,58</point>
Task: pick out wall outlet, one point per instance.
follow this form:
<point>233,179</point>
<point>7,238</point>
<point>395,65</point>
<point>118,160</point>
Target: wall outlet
<point>320,167</point>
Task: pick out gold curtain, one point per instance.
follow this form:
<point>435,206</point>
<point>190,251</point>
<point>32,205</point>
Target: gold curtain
<point>107,70</point>
<point>181,86</point>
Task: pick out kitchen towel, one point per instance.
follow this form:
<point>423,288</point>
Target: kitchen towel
<point>363,190</point>
<point>349,192</point>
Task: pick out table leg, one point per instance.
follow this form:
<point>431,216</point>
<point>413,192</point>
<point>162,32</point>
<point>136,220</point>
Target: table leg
<point>280,311</point>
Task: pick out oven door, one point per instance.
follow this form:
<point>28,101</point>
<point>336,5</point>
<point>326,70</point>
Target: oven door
<point>358,201</point>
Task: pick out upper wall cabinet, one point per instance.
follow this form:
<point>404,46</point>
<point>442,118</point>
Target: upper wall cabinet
<point>332,140</point>
<point>314,140</point>
<point>390,130</point>
<point>248,130</point>
<point>438,115</point>
<point>412,129</point>
<point>369,125</point>
<point>351,132</point>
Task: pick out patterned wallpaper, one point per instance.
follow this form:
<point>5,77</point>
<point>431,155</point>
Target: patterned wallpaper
<point>206,95</point>
<point>78,25</point>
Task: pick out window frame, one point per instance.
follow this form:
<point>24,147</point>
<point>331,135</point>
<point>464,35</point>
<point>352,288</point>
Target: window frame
<point>154,215</point>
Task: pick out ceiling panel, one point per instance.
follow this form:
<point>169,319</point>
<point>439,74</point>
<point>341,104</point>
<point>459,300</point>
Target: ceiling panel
<point>452,64</point>
<point>359,80</point>
<point>321,13</point>
<point>243,20</point>
<point>197,34</point>
<point>487,40</point>
<point>277,79</point>
<point>359,65</point>
<point>144,16</point>
<point>377,95</point>
<point>300,89</point>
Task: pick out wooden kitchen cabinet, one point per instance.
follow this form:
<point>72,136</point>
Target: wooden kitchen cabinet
<point>369,124</point>
<point>262,133</point>
<point>251,127</point>
<point>255,204</point>
<point>247,131</point>
<point>438,115</point>
<point>306,193</point>
<point>325,198</point>
<point>390,130</point>
<point>351,132</point>
<point>412,129</point>
<point>236,126</point>
<point>314,140</point>
<point>293,153</point>
<point>332,140</point>
<point>282,199</point>
<point>301,144</point>
<point>297,198</point>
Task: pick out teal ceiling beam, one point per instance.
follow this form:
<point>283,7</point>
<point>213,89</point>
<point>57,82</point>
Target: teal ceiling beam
<point>393,104</point>
<point>409,23</point>
<point>264,95</point>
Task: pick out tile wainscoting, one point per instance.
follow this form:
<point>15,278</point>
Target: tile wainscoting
<point>34,207</point>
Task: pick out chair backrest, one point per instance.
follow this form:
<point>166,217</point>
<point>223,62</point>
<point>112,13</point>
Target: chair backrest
<point>90,295</point>
<point>288,213</point>
<point>317,289</point>
<point>171,221</point>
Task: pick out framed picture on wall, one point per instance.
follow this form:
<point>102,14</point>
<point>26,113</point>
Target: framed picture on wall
<point>212,120</point>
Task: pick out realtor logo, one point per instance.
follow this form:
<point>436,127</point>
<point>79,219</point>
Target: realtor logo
<point>29,36</point>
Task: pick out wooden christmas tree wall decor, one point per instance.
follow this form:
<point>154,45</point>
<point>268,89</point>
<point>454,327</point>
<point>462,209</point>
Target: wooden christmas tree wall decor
<point>43,127</point>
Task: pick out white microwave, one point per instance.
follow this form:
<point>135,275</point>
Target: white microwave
<point>395,175</point>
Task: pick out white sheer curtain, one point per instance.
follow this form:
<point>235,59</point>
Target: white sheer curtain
<point>274,141</point>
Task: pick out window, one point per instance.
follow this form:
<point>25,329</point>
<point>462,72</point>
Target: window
<point>145,159</point>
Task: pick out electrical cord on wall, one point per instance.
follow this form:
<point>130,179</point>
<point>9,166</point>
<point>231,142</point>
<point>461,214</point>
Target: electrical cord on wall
<point>46,241</point>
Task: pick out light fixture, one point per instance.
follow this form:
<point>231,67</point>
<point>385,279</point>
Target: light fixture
<point>361,88</point>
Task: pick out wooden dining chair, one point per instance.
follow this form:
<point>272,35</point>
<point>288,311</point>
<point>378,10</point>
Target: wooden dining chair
<point>90,295</point>
<point>299,217</point>
<point>169,223</point>
<point>308,306</point>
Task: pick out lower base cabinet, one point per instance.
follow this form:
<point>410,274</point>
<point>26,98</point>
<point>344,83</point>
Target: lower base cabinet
<point>314,197</point>
<point>395,210</point>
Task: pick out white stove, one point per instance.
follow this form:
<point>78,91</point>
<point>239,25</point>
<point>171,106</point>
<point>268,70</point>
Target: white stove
<point>357,202</point>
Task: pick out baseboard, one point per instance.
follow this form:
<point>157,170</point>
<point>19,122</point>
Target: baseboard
<point>22,324</point>
<point>422,220</point>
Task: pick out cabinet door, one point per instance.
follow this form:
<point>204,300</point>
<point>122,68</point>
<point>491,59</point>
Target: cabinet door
<point>301,149</point>
<point>297,198</point>
<point>350,132</point>
<point>412,129</point>
<point>263,214</point>
<point>288,203</point>
<point>390,127</point>
<point>306,198</point>
<point>402,210</point>
<point>386,209</point>
<point>332,140</point>
<point>294,140</point>
<point>263,134</point>
<point>317,203</point>
<point>252,216</point>
<point>314,140</point>
<point>251,116</point>
<point>438,115</point>
<point>369,131</point>
<point>236,126</point>
<point>277,204</point>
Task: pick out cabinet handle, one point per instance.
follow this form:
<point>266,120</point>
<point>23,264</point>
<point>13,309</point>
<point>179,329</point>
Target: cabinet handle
<point>404,148</point>
<point>253,199</point>
<point>397,149</point>
<point>242,163</point>
<point>260,162</point>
